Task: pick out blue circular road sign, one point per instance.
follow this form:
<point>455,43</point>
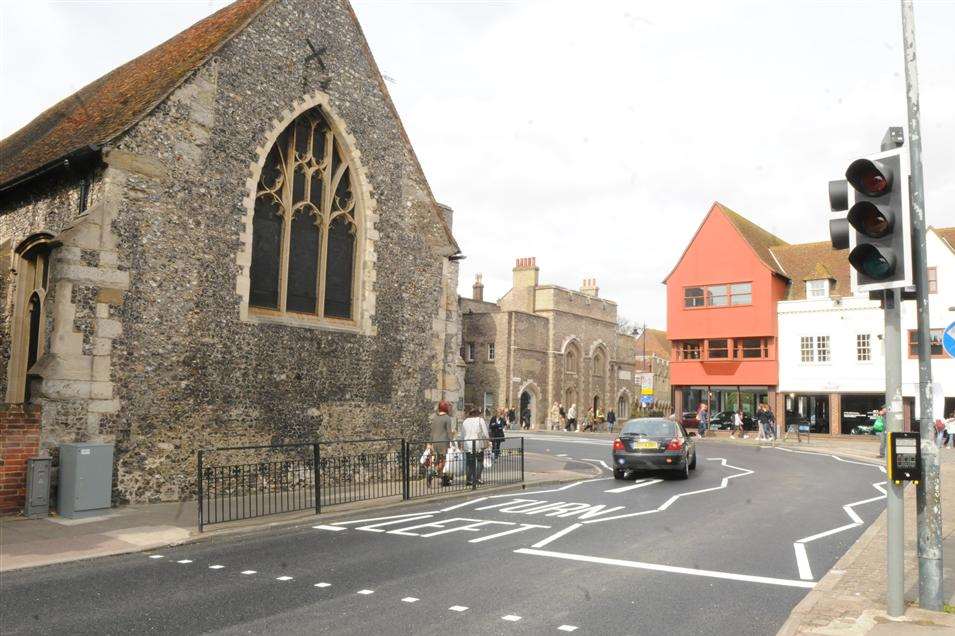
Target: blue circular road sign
<point>948,340</point>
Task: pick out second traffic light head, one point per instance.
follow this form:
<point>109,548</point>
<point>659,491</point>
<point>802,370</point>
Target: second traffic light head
<point>871,178</point>
<point>871,220</point>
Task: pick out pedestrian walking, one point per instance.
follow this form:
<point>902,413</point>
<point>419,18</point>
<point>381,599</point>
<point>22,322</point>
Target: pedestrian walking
<point>441,426</point>
<point>769,422</point>
<point>496,431</point>
<point>878,427</point>
<point>474,438</point>
<point>611,420</point>
<point>526,419</point>
<point>737,425</point>
<point>553,417</point>
<point>950,429</point>
<point>766,422</point>
<point>702,419</point>
<point>511,418</point>
<point>572,418</point>
<point>563,416</point>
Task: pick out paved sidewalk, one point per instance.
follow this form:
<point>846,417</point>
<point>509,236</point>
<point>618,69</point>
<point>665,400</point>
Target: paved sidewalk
<point>35,542</point>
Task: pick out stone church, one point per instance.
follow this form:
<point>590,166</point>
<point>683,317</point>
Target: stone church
<point>541,344</point>
<point>227,240</point>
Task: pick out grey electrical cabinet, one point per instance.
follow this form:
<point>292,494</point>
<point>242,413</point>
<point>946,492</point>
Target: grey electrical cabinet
<point>38,487</point>
<point>86,479</point>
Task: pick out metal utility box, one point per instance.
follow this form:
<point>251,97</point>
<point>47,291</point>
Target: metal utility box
<point>85,480</point>
<point>38,487</point>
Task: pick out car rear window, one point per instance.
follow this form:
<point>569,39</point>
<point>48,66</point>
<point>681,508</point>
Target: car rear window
<point>649,427</point>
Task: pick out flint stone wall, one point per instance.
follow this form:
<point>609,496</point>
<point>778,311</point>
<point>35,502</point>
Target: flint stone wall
<point>154,354</point>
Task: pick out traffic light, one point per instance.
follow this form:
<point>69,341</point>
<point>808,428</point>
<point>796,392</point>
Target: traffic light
<point>876,229</point>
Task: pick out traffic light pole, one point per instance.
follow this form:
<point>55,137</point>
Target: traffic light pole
<point>895,541</point>
<point>929,490</point>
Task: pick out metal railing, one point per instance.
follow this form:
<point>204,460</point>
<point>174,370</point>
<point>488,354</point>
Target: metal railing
<point>243,482</point>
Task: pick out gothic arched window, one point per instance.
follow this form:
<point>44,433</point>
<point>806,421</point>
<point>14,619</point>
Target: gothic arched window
<point>305,226</point>
<point>599,364</point>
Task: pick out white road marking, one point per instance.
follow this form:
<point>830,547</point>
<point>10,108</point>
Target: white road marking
<point>247,572</point>
<point>322,585</point>
<point>743,472</point>
<point>376,527</point>
<point>332,528</point>
<point>640,484</point>
<point>562,455</point>
<point>511,617</point>
<point>155,556</point>
<point>366,592</point>
<point>407,514</point>
<point>283,578</point>
<point>557,535</point>
<point>802,562</point>
<point>409,599</point>
<point>522,528</point>
<point>458,608</point>
<point>184,561</point>
<point>669,568</point>
<point>463,505</point>
<point>799,547</point>
<point>216,567</point>
<point>599,461</point>
<point>567,628</point>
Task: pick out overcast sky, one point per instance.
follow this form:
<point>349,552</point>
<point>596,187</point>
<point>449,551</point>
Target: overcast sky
<point>592,135</point>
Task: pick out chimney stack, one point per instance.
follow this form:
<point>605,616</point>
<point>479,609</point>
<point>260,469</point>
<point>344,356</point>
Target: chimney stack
<point>477,288</point>
<point>525,272</point>
<point>589,287</point>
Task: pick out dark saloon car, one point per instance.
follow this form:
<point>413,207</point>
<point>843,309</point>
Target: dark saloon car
<point>724,422</point>
<point>653,443</point>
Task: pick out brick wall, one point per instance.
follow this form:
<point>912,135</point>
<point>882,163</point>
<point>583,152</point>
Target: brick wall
<point>19,441</point>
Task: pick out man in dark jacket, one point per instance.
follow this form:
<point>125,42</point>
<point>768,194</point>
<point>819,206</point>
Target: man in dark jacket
<point>768,420</point>
<point>496,430</point>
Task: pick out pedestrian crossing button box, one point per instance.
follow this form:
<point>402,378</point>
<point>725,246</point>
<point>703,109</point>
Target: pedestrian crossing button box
<point>86,479</point>
<point>905,456</point>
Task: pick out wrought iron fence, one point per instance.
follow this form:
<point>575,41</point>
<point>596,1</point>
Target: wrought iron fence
<point>243,482</point>
<point>464,465</point>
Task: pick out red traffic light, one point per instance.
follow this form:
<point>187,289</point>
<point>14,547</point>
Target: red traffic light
<point>871,178</point>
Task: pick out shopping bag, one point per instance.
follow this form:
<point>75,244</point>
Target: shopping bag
<point>426,456</point>
<point>454,463</point>
<point>488,458</point>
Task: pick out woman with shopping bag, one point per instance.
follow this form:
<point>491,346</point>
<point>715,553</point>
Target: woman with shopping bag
<point>474,439</point>
<point>440,436</point>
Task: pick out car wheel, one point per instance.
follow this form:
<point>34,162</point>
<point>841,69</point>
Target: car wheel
<point>685,473</point>
<point>619,473</point>
<point>693,463</point>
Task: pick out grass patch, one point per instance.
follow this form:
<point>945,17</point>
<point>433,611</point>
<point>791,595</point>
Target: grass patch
<point>949,609</point>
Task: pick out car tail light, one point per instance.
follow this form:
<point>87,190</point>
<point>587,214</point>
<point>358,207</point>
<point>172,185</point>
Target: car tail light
<point>675,444</point>
<point>618,444</point>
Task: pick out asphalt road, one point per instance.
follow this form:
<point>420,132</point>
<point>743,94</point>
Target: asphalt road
<point>716,554</point>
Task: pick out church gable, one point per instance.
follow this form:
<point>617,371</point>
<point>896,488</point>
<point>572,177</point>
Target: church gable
<point>262,260</point>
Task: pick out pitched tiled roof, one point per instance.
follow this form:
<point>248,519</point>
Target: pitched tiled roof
<point>656,343</point>
<point>759,239</point>
<point>947,234</point>
<point>813,261</point>
<point>101,111</point>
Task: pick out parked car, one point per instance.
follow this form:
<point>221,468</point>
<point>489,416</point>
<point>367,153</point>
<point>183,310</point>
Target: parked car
<point>862,429</point>
<point>653,443</point>
<point>724,422</point>
<point>689,419</point>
